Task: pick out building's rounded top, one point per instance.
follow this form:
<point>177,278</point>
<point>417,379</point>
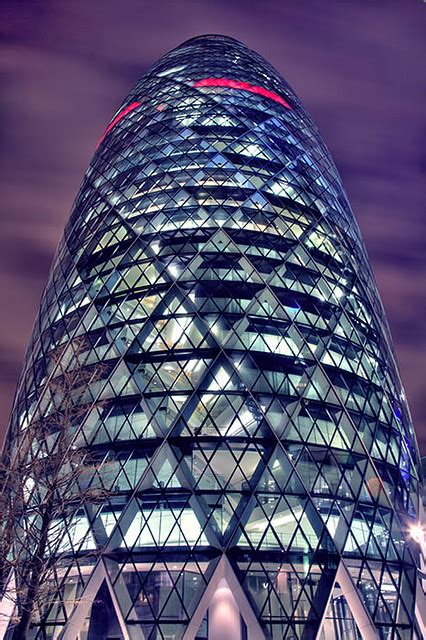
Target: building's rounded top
<point>212,37</point>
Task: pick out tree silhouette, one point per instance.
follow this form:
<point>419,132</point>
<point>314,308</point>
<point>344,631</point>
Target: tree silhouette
<point>46,480</point>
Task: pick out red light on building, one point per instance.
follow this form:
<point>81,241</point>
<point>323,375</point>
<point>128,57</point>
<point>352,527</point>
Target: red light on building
<point>120,116</point>
<point>244,86</point>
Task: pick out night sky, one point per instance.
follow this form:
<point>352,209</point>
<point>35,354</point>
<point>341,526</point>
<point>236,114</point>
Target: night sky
<point>357,65</point>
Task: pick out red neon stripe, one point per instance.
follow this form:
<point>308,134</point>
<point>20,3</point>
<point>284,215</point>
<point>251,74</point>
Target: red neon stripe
<point>245,86</point>
<point>120,116</point>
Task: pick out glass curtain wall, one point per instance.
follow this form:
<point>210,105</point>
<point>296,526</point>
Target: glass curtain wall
<point>247,403</point>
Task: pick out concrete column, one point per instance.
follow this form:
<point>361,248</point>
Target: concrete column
<point>7,605</point>
<point>358,609</point>
<point>224,614</point>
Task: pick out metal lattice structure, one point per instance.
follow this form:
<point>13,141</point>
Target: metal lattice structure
<point>250,427</point>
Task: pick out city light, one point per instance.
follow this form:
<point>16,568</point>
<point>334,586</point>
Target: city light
<point>417,532</point>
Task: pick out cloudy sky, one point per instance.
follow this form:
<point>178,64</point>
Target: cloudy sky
<point>357,65</point>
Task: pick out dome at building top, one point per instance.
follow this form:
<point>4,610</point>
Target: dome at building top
<point>208,37</point>
<point>226,53</point>
<point>235,396</point>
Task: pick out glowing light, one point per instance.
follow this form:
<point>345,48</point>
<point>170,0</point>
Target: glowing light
<point>244,86</point>
<point>277,521</point>
<point>131,107</point>
<point>173,270</point>
<point>417,532</point>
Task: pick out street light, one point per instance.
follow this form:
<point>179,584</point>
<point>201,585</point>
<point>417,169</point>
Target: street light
<point>417,532</point>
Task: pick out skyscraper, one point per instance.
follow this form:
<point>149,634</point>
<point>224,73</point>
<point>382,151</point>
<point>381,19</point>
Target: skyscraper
<point>252,440</point>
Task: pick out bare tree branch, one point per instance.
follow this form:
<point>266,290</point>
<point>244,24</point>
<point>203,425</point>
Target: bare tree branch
<point>46,479</point>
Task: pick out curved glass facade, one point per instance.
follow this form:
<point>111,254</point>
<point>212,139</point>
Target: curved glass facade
<point>249,424</point>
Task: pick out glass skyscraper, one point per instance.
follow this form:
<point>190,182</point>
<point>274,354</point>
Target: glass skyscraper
<point>247,427</point>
